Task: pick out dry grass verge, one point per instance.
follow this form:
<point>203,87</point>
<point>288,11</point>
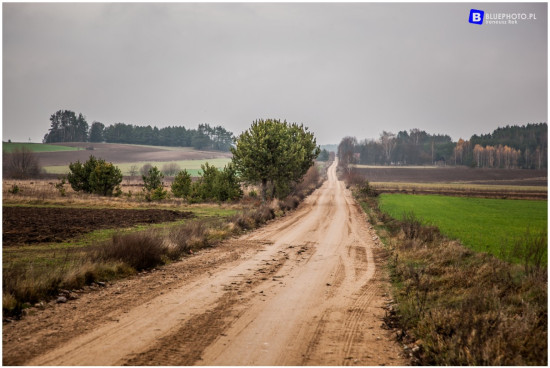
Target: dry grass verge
<point>454,306</point>
<point>126,253</point>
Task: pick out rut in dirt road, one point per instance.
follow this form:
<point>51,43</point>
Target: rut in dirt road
<point>307,291</point>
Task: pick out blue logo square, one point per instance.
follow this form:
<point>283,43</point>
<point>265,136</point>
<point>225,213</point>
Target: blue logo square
<point>476,16</point>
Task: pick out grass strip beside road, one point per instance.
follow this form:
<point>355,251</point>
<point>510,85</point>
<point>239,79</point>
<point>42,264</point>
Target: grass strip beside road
<point>455,306</point>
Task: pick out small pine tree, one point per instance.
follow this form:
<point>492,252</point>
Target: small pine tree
<point>153,185</point>
<point>105,179</point>
<point>153,179</point>
<point>181,187</point>
<point>95,176</point>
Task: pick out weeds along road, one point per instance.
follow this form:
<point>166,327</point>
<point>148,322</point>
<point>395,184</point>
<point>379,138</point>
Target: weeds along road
<point>306,289</point>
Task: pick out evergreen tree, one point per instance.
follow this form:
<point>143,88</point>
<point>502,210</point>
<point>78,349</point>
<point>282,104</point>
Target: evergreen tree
<point>274,152</point>
<point>96,132</point>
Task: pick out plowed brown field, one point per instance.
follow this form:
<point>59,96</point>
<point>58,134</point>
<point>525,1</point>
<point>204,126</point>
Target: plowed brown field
<point>117,153</point>
<point>25,225</point>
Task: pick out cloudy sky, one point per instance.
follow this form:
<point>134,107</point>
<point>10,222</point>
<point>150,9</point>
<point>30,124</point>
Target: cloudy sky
<point>341,69</point>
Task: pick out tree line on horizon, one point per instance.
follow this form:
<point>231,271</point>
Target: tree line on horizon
<point>67,126</point>
<point>515,146</point>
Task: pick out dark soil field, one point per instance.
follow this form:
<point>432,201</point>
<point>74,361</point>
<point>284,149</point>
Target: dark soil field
<point>456,175</point>
<point>117,153</point>
<point>27,225</point>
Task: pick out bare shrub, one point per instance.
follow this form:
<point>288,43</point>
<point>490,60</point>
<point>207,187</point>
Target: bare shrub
<point>145,169</point>
<point>187,237</point>
<point>21,163</point>
<point>133,171</point>
<point>414,229</point>
<point>247,219</point>
<point>289,203</point>
<point>262,215</point>
<point>367,190</point>
<point>170,169</point>
<point>410,225</point>
<point>531,249</point>
<point>243,221</point>
<point>353,177</point>
<point>140,250</point>
<point>309,182</point>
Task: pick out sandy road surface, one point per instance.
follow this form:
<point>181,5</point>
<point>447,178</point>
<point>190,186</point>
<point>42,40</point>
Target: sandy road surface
<point>304,290</point>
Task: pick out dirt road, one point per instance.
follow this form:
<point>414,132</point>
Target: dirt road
<point>307,289</point>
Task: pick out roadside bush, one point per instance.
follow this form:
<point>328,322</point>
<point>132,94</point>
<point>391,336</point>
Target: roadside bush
<point>243,221</point>
<point>310,181</point>
<point>187,237</point>
<point>95,176</point>
<point>248,219</point>
<point>410,225</point>
<point>181,187</point>
<point>414,229</point>
<point>139,250</point>
<point>352,177</point>
<point>289,203</point>
<point>262,215</point>
<point>367,190</point>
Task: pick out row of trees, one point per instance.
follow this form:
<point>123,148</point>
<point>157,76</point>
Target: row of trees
<point>66,126</point>
<point>509,147</point>
<point>500,156</point>
<point>103,178</point>
<point>271,153</point>
<point>204,137</point>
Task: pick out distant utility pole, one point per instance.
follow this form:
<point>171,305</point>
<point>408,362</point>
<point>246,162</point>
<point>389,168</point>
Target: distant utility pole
<point>433,152</point>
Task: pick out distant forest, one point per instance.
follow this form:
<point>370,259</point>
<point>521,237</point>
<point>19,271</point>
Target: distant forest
<point>67,126</point>
<point>514,146</point>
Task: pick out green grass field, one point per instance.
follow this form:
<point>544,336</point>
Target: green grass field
<point>482,224</point>
<point>36,147</point>
<point>192,166</point>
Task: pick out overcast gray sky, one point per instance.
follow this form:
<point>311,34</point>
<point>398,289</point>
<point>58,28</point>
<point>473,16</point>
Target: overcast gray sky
<point>341,69</point>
